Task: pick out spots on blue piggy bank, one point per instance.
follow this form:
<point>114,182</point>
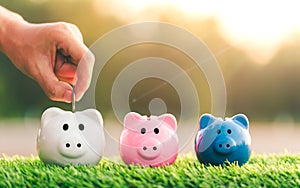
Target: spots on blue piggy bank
<point>218,140</point>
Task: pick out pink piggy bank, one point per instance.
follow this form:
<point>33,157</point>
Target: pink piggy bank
<point>149,141</point>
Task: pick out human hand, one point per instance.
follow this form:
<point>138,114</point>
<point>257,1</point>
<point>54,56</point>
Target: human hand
<point>53,54</point>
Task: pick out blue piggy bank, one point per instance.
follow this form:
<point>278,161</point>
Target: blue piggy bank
<point>218,140</point>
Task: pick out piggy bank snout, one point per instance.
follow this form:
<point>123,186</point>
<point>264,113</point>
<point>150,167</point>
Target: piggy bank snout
<point>149,149</point>
<point>224,145</point>
<point>72,146</point>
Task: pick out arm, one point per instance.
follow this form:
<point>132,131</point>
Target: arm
<point>53,54</point>
<point>8,21</point>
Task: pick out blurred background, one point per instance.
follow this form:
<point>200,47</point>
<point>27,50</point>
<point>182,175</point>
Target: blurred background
<point>256,44</point>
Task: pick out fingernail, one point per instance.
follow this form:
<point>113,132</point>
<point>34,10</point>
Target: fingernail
<point>78,97</point>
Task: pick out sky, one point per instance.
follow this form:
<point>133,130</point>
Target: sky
<point>256,26</point>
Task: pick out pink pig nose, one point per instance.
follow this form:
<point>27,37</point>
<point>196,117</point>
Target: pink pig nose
<point>72,146</point>
<point>149,149</point>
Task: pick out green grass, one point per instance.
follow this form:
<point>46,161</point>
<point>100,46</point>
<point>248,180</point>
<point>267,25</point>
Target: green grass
<point>261,171</point>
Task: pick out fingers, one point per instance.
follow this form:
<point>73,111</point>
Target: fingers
<point>81,59</point>
<point>73,64</point>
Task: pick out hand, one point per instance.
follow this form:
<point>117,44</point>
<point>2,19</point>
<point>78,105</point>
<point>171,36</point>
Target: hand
<point>53,54</point>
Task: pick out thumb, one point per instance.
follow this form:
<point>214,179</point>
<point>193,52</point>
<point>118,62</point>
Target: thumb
<point>84,74</point>
<point>56,90</point>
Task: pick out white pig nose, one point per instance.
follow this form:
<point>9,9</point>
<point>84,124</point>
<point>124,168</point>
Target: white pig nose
<point>71,147</point>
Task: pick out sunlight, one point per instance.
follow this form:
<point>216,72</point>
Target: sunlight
<point>258,27</point>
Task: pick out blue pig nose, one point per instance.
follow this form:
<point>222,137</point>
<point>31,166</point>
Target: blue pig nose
<point>224,146</point>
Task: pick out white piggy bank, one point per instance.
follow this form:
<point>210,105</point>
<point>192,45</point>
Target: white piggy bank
<point>71,138</point>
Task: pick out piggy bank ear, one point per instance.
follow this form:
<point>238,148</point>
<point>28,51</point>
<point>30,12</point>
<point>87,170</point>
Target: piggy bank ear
<point>205,120</point>
<point>241,120</point>
<point>93,114</point>
<point>132,118</point>
<point>50,113</point>
<point>169,119</point>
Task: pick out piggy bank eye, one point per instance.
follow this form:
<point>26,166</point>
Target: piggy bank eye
<point>81,127</point>
<point>218,131</point>
<point>65,127</point>
<point>156,130</point>
<point>229,131</point>
<point>143,130</point>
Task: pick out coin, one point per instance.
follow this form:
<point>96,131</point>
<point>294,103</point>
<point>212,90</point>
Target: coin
<point>73,99</point>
